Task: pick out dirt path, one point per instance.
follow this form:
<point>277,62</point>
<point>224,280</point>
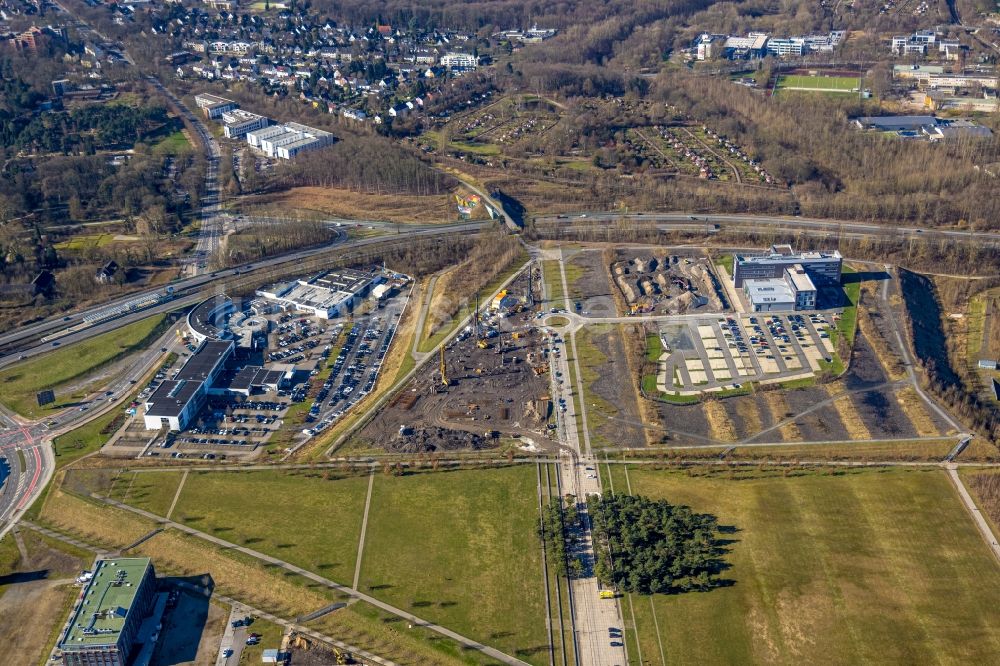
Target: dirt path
<point>425,305</point>
<point>654,146</point>
<point>20,547</point>
<point>977,516</point>
<point>177,495</point>
<point>364,530</point>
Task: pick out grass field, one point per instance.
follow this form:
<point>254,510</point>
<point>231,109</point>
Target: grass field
<point>826,83</point>
<point>860,567</point>
<point>86,241</point>
<point>173,144</point>
<point>726,261</point>
<point>304,518</point>
<point>553,281</point>
<point>460,549</point>
<point>20,383</point>
<point>151,491</point>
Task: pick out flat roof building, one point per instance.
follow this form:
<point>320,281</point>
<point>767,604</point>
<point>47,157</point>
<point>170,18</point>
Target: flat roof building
<point>236,123</point>
<point>794,290</point>
<point>769,295</point>
<point>105,623</point>
<point>176,401</point>
<point>214,106</point>
<point>325,296</point>
<point>288,140</point>
<point>823,268</point>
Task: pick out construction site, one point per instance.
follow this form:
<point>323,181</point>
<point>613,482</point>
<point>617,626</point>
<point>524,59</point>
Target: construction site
<point>667,283</point>
<point>489,383</point>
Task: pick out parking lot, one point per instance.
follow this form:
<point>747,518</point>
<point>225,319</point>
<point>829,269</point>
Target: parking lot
<point>726,351</point>
<point>353,372</point>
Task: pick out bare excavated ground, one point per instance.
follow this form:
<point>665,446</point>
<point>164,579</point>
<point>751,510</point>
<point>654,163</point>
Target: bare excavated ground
<point>35,597</point>
<point>681,422</point>
<point>865,370</point>
<point>615,421</point>
<point>489,393</point>
<point>654,281</point>
<point>589,284</point>
<point>882,414</point>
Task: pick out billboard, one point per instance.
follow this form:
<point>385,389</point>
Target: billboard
<point>45,398</point>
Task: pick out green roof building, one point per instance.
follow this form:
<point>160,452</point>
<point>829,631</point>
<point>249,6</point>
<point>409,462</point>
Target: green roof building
<point>104,623</point>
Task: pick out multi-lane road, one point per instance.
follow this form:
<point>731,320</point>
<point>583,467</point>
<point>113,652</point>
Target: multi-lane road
<point>211,228</point>
<point>27,445</point>
<point>31,470</point>
<point>757,223</point>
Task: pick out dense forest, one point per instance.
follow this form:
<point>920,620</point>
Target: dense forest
<point>650,546</point>
<point>80,131</point>
<point>370,164</point>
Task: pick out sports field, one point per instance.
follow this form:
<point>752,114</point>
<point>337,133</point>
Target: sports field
<point>859,567</point>
<point>826,83</point>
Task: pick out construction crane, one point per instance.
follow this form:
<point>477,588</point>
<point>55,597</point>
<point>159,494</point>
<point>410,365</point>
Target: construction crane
<point>444,369</point>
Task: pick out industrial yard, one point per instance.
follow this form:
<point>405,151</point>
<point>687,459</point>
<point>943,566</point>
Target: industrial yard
<point>489,382</point>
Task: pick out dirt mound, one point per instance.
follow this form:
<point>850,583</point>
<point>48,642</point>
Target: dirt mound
<point>424,440</point>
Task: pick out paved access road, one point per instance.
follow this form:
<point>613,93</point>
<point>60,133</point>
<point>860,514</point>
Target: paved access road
<point>211,227</point>
<point>592,616</point>
<point>27,445</point>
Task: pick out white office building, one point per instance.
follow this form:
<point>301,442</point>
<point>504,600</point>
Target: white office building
<point>288,140</point>
<point>459,61</point>
<point>786,46</point>
<point>237,123</point>
<point>214,106</point>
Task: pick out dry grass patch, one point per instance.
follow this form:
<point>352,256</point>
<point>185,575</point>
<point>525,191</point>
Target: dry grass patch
<point>750,413</point>
<point>634,337</point>
<point>719,425</point>
<point>848,413</point>
<point>355,205</point>
<point>780,411</point>
<point>887,355</point>
<point>93,522</point>
<point>913,406</point>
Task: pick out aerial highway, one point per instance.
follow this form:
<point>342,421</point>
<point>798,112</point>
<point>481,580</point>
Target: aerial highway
<point>811,226</point>
<point>187,291</point>
<point>26,445</point>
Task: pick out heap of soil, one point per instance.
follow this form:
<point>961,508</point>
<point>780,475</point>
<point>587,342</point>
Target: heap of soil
<point>423,440</point>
